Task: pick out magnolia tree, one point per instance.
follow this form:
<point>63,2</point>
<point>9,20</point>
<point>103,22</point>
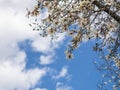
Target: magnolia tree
<point>83,20</point>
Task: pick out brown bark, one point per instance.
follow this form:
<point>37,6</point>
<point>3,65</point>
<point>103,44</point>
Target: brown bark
<point>107,10</point>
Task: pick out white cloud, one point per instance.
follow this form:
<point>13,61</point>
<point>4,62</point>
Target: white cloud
<point>45,45</point>
<point>14,29</point>
<point>46,59</point>
<point>62,86</point>
<point>42,44</point>
<point>62,74</point>
<point>40,89</point>
<point>14,76</point>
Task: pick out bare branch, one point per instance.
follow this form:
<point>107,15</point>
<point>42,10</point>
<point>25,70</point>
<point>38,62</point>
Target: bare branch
<point>107,10</point>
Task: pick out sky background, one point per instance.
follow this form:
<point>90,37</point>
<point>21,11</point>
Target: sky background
<point>30,62</point>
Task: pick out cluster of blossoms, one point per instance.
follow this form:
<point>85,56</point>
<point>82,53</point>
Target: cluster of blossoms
<point>89,15</point>
<point>117,61</point>
<point>93,22</point>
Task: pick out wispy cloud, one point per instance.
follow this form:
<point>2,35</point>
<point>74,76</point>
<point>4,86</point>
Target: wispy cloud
<point>63,73</point>
<point>46,59</point>
<point>62,86</point>
<point>40,89</point>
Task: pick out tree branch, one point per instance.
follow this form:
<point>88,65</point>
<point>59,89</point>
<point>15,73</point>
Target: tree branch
<point>107,10</point>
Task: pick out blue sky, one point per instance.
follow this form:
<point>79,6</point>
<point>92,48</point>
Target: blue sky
<point>82,72</point>
<point>30,62</point>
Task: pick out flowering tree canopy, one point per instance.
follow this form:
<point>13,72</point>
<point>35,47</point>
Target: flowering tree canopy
<point>82,20</point>
<point>91,19</point>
